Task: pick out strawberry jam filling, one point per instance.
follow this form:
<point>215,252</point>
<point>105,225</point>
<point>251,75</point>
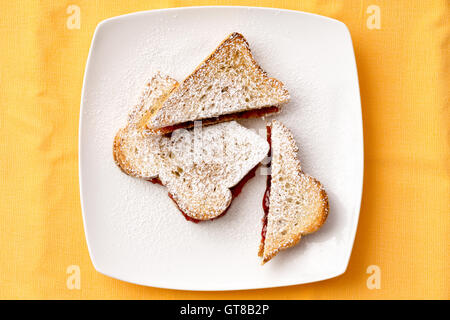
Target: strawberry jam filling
<point>266,202</point>
<point>235,191</point>
<point>226,117</point>
<point>155,181</point>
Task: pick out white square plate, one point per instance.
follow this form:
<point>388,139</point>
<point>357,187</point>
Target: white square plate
<point>134,231</point>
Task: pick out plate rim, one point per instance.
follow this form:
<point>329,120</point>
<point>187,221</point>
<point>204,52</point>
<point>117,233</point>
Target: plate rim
<point>161,284</point>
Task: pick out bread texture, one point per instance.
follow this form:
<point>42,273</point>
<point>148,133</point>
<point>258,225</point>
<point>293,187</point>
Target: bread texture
<point>197,166</point>
<point>298,203</point>
<point>228,82</point>
<point>202,165</point>
<point>135,152</point>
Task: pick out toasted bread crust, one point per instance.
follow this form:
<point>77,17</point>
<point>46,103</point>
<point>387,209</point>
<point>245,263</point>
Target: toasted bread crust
<point>324,209</point>
<point>295,213</point>
<point>261,250</point>
<point>118,154</point>
<point>131,147</point>
<point>172,111</point>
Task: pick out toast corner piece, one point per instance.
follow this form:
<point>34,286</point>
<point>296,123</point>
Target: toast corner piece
<point>157,91</point>
<point>298,202</point>
<point>321,205</point>
<point>133,150</point>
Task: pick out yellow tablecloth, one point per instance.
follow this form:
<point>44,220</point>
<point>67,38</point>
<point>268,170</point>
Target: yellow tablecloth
<point>402,53</point>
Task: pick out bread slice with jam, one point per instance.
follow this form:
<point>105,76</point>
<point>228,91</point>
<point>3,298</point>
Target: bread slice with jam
<point>203,169</point>
<point>295,204</point>
<point>227,85</point>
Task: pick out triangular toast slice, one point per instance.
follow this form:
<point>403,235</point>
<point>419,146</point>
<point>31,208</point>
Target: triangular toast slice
<point>295,203</point>
<point>203,169</point>
<point>228,85</point>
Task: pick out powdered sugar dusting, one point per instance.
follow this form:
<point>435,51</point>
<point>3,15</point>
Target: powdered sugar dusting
<point>136,153</point>
<point>197,166</point>
<point>202,167</point>
<point>136,232</point>
<point>297,202</point>
<point>229,81</point>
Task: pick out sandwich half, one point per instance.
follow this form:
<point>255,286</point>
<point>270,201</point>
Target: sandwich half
<point>295,203</point>
<point>227,85</point>
<point>203,169</point>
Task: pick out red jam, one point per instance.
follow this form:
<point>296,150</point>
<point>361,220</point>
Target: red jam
<point>235,191</point>
<point>155,181</point>
<point>226,117</point>
<point>266,202</point>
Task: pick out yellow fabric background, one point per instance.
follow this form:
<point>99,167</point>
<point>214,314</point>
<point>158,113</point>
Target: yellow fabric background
<point>404,222</point>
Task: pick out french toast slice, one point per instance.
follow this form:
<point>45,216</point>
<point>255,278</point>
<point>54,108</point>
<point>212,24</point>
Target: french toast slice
<point>295,204</point>
<point>227,85</point>
<point>203,169</point>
